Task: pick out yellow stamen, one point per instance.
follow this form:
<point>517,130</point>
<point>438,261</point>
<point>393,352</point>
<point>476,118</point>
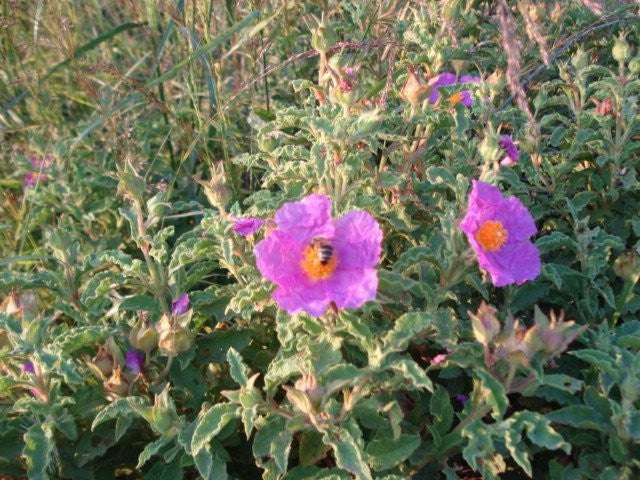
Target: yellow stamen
<point>492,235</point>
<point>315,269</point>
<point>455,98</point>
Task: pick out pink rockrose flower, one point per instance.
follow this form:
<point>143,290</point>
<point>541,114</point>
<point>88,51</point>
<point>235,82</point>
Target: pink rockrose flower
<point>180,305</point>
<point>315,260</point>
<point>464,97</point>
<point>498,230</point>
<point>446,79</point>
<point>246,226</point>
<point>513,155</point>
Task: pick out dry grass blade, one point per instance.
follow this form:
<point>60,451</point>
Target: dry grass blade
<point>511,45</point>
<point>533,29</point>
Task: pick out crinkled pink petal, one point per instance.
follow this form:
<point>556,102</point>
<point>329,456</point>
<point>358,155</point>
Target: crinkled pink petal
<point>470,79</point>
<point>513,155</point>
<point>358,240</point>
<point>352,288</point>
<point>306,219</point>
<point>278,258</point>
<point>445,79</point>
<point>517,219</point>
<point>516,262</point>
<point>246,226</point>
<point>467,99</point>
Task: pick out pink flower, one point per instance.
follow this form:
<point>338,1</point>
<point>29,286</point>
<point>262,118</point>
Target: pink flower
<point>498,230</point>
<point>315,260</point>
<point>31,178</point>
<point>134,359</point>
<point>28,367</point>
<point>180,305</point>
<point>513,155</point>
<point>463,97</point>
<point>446,79</point>
<point>246,226</point>
<point>439,359</point>
<point>43,162</point>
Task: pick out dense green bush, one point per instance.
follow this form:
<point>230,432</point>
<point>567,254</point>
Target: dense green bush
<point>157,320</point>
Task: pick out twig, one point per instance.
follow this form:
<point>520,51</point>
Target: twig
<point>561,50</point>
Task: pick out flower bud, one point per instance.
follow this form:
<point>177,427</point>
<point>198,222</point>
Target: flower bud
<point>163,413</point>
<point>414,90</point>
<point>580,59</point>
<point>323,37</point>
<point>484,323</point>
<point>489,149</point>
<point>621,50</point>
<point>309,386</point>
<point>175,340</point>
<point>104,361</point>
<point>496,82</point>
<point>143,336</point>
<point>627,266</point>
<point>117,384</point>
<point>180,305</point>
<point>634,65</point>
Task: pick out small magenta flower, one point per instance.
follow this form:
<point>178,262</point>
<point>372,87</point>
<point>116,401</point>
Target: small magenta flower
<point>246,226</point>
<point>446,79</point>
<point>31,178</point>
<point>438,359</point>
<point>28,367</point>
<point>43,162</point>
<point>513,155</point>
<point>462,398</point>
<point>134,360</point>
<point>315,260</point>
<point>498,229</point>
<point>181,305</point>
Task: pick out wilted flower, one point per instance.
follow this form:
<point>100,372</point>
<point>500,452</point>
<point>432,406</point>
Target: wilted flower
<point>246,226</point>
<point>117,385</point>
<point>174,335</point>
<point>484,323</point>
<point>315,260</point>
<point>104,361</point>
<point>498,229</point>
<point>134,360</point>
<point>513,155</point>
<point>143,336</point>
<point>180,305</point>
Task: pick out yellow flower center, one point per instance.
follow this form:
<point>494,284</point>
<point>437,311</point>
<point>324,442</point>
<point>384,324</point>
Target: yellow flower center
<point>492,235</point>
<point>313,266</point>
<point>455,98</point>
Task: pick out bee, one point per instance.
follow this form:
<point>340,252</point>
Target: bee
<point>323,249</point>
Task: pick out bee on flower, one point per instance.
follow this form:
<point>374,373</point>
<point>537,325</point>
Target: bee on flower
<point>315,260</point>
